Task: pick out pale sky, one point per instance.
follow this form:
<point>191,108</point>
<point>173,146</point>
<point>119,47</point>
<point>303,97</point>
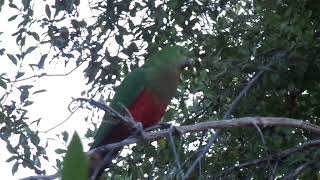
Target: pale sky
<point>51,106</point>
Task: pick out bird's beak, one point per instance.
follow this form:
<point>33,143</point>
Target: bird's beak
<point>188,63</point>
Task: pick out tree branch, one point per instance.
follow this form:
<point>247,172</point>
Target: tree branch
<point>50,177</point>
<point>299,170</point>
<point>217,124</point>
<point>277,156</point>
<point>232,108</point>
<point>245,122</point>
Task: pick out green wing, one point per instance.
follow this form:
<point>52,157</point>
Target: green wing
<point>125,95</point>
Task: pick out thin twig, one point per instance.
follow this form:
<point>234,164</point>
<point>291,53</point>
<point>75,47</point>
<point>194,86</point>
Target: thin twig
<point>260,133</point>
<point>298,170</point>
<point>176,156</point>
<point>106,108</point>
<point>42,177</point>
<point>277,156</point>
<point>274,170</point>
<point>262,139</point>
<point>62,122</point>
<point>48,75</point>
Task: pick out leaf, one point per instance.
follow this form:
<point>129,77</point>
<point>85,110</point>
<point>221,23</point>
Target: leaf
<point>60,151</point>
<point>27,103</point>
<point>133,47</point>
<point>35,36</point>
<point>1,4</point>
<point>2,51</point>
<point>11,158</point>
<point>24,95</point>
<point>23,139</point>
<point>65,136</point>
<point>3,84</point>
<point>12,17</point>
<point>20,74</point>
<point>75,164</point>
<point>30,49</point>
<point>26,4</point>
<point>39,91</point>
<point>25,87</point>
<point>77,2</point>
<point>35,139</point>
<point>41,62</point>
<point>12,58</point>
<point>15,168</point>
<point>10,149</point>
<point>36,161</point>
<point>48,11</point>
<point>119,39</point>
<point>13,6</point>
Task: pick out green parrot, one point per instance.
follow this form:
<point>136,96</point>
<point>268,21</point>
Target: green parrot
<point>145,93</point>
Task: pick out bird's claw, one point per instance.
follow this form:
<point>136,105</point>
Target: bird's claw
<point>139,131</point>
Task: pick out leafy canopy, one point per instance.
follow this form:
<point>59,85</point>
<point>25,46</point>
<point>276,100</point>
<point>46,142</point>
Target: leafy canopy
<point>231,42</point>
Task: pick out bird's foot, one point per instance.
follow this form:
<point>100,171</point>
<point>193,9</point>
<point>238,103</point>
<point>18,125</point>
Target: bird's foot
<point>139,131</point>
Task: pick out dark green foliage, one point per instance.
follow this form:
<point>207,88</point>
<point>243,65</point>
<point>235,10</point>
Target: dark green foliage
<point>230,41</point>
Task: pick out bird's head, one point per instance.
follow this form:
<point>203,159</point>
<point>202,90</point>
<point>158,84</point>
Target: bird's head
<point>176,57</point>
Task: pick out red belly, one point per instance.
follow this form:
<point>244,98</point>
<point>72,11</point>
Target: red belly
<point>148,109</point>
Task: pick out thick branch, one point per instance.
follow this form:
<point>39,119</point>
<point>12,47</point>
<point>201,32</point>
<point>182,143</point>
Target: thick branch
<point>232,123</point>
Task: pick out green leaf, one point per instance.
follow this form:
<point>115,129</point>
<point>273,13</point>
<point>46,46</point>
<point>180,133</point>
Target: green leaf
<point>119,39</point>
<point>35,36</point>
<point>30,49</point>
<point>25,87</point>
<point>39,91</point>
<point>26,4</point>
<point>24,95</point>
<point>11,158</point>
<point>48,11</point>
<point>2,51</point>
<point>1,4</point>
<point>35,139</point>
<point>77,2</point>
<point>13,6</point>
<point>12,58</point>
<point>23,140</point>
<point>75,164</point>
<point>41,62</point>
<point>3,84</point>
<point>15,168</point>
<point>12,17</point>
<point>65,136</point>
<point>60,151</point>
<point>27,103</point>
<point>20,74</point>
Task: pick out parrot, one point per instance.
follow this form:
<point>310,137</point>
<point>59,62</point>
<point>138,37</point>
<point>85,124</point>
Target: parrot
<point>145,93</point>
